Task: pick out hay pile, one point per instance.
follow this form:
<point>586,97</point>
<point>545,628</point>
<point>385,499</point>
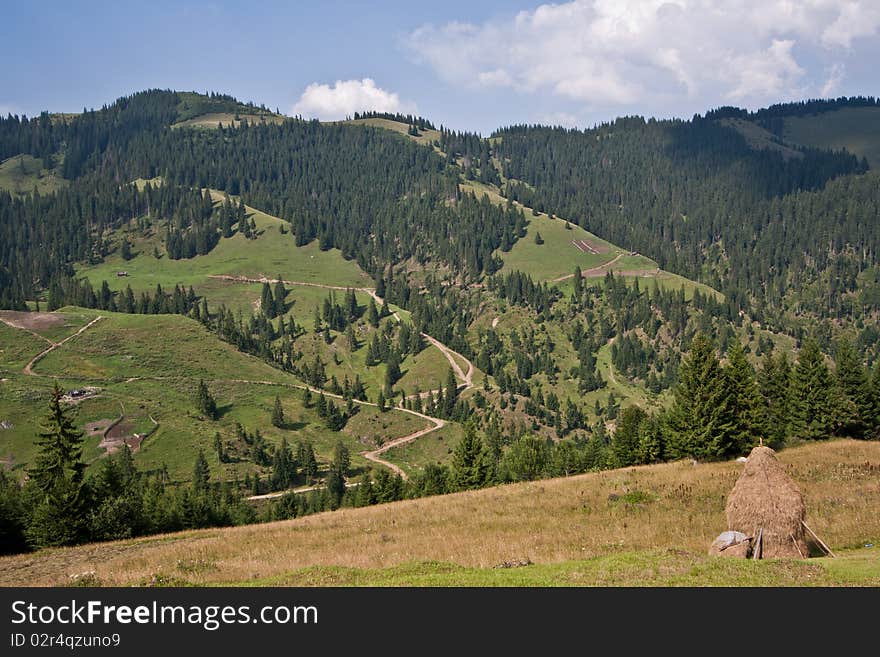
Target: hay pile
<point>764,497</point>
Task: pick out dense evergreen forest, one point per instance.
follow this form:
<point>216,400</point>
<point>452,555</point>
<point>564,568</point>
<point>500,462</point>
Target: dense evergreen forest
<point>701,202</point>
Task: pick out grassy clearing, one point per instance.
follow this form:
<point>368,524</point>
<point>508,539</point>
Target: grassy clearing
<point>570,528</point>
<point>149,366</point>
<point>424,137</point>
<point>122,346</point>
<point>21,174</point>
<point>212,119</point>
<point>854,128</point>
<point>17,347</point>
<point>270,255</point>
<point>760,139</point>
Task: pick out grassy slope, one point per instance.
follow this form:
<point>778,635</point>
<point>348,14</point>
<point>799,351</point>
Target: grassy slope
<point>271,254</point>
<point>211,119</point>
<point>574,531</point>
<point>16,181</point>
<point>557,256</point>
<point>759,138</point>
<point>150,366</point>
<point>424,137</point>
<point>857,129</point>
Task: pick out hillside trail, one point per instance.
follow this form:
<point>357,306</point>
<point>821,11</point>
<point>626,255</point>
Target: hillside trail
<point>301,489</point>
<point>610,364</point>
<point>27,330</point>
<point>586,273</point>
<point>29,368</point>
<point>466,378</point>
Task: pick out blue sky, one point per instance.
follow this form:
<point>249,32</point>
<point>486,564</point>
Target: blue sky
<point>467,65</point>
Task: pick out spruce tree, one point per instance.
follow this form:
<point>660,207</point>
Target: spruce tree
<point>468,465</point>
<point>59,516</point>
<point>280,294</point>
<point>205,402</point>
<point>746,405</point>
<point>373,314</point>
<point>854,387</point>
<point>650,444</point>
<point>815,397</point>
<point>451,393</point>
<point>201,473</point>
<point>774,383</point>
<point>277,414</point>
<point>267,303</point>
<point>699,422</point>
<point>625,442</point>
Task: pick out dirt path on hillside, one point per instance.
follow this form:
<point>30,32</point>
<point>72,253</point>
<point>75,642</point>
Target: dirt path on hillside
<point>301,489</point>
<point>18,325</point>
<point>397,442</point>
<point>465,377</point>
<point>588,273</point>
<point>29,368</point>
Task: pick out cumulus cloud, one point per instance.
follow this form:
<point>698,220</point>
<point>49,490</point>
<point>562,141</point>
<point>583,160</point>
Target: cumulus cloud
<point>628,52</point>
<point>346,97</point>
<point>832,84</point>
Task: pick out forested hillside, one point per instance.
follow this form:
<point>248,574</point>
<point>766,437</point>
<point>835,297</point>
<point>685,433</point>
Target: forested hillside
<point>291,305</point>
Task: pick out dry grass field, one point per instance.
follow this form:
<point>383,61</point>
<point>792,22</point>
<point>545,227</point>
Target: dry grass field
<point>635,526</point>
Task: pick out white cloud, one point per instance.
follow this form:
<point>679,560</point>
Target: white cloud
<point>604,53</point>
<point>832,84</point>
<point>7,108</point>
<point>854,20</point>
<point>345,98</point>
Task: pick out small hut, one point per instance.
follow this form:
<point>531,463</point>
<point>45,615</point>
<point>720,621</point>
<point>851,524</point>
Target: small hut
<point>766,501</point>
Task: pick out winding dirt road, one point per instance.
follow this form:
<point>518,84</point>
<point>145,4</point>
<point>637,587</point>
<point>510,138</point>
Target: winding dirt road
<point>466,378</point>
<point>588,273</point>
<point>29,368</point>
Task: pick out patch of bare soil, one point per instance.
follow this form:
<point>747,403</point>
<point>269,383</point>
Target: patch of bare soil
<point>121,434</point>
<point>31,321</point>
<point>97,427</point>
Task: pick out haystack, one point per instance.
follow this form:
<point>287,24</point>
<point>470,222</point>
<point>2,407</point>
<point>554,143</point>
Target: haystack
<point>765,498</point>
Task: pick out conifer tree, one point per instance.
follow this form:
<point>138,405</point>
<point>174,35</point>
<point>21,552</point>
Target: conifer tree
<point>279,296</point>
<point>451,393</point>
<point>699,422</point>
<point>468,464</point>
<point>746,405</point>
<point>775,385</point>
<point>205,402</point>
<point>201,473</point>
<point>625,442</point>
<point>373,314</point>
<point>814,398</point>
<point>855,390</point>
<point>277,414</point>
<point>57,477</point>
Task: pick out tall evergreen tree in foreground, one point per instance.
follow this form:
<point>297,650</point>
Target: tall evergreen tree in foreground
<point>814,398</point>
<point>57,476</point>
<point>699,423</point>
<point>774,383</point>
<point>853,385</point>
<point>469,468</point>
<point>744,399</point>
